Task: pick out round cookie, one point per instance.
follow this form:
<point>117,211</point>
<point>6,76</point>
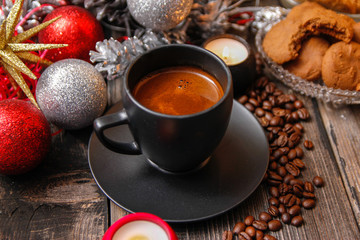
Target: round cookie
<point>356,36</point>
<point>308,64</point>
<point>341,65</point>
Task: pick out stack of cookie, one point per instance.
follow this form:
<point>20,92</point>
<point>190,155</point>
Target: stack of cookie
<point>313,42</point>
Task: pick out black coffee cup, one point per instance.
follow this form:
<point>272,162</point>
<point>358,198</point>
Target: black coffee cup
<point>170,142</point>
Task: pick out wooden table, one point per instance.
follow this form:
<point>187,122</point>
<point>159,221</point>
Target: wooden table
<point>60,199</point>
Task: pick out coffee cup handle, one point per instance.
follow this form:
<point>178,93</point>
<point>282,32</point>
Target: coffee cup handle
<point>113,120</point>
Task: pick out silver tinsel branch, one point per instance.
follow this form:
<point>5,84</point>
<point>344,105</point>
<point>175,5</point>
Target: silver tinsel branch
<point>112,57</point>
<point>39,9</point>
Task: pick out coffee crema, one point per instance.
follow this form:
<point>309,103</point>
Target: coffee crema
<point>178,90</point>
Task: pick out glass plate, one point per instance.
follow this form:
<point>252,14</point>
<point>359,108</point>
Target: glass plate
<point>315,89</point>
<point>293,3</point>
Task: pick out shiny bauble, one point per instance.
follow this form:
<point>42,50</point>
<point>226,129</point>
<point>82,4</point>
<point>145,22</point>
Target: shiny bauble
<point>159,15</point>
<point>77,27</point>
<point>25,136</point>
<point>71,93</point>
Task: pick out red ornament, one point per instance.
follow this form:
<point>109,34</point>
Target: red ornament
<point>77,27</point>
<point>25,136</point>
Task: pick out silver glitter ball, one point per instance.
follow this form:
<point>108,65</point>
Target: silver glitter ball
<point>159,14</point>
<point>71,93</point>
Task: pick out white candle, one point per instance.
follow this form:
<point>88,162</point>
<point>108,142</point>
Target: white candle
<point>140,230</point>
<point>231,51</point>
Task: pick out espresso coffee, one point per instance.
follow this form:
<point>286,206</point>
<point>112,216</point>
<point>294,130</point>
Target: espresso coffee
<point>178,90</point>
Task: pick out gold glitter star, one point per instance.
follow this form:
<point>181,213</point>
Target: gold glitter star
<point>13,51</point>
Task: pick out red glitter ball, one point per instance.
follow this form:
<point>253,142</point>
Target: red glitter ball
<point>25,136</point>
<point>77,27</point>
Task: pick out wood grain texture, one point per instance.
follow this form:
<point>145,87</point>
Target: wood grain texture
<point>58,200</point>
<point>342,126</point>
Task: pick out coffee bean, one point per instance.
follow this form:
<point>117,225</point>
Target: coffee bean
<point>244,236</point>
<point>264,122</point>
<point>259,235</point>
<point>282,99</point>
<point>239,227</point>
<point>274,225</point>
<point>284,150</point>
<point>308,144</point>
<point>284,188</point>
<point>297,190</point>
<point>274,179</point>
<point>274,201</point>
<point>260,225</point>
<point>269,237</point>
<point>292,154</point>
<point>259,112</point>
<point>266,105</point>
<point>289,200</point>
<point>249,107</point>
<point>273,166</point>
<point>298,104</point>
<point>270,87</point>
<point>252,94</point>
<point>243,99</point>
<point>299,152</point>
<point>275,121</point>
<point>274,191</point>
<point>294,181</point>
<point>283,160</point>
<point>288,178</point>
<point>278,112</point>
<point>297,221</point>
<point>309,187</point>
<point>249,220</point>
<point>308,195</point>
<point>273,211</point>
<point>294,139</point>
<point>286,218</point>
<point>251,231</point>
<point>282,141</point>
<point>318,181</point>
<point>282,209</point>
<point>277,92</point>
<point>277,153</point>
<point>303,113</point>
<point>254,102</point>
<point>281,171</point>
<point>299,126</point>
<point>294,210</point>
<point>294,117</point>
<point>308,203</point>
<point>299,163</point>
<point>292,169</point>
<point>264,216</point>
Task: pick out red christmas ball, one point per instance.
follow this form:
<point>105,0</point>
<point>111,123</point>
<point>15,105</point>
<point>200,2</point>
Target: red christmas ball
<point>25,136</point>
<point>77,27</point>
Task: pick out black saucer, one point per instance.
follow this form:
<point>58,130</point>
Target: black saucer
<point>234,171</point>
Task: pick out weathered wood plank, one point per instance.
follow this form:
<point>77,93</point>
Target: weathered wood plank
<point>58,200</point>
<point>343,128</point>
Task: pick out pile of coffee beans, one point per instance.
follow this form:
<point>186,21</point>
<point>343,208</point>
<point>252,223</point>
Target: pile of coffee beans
<point>280,115</point>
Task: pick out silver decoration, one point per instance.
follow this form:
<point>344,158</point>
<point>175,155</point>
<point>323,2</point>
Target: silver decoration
<point>29,5</point>
<point>268,15</point>
<point>112,58</point>
<point>159,14</point>
<point>71,93</point>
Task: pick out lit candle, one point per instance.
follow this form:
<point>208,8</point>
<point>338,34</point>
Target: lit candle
<point>231,51</point>
<point>140,230</point>
<point>238,56</point>
<point>140,226</point>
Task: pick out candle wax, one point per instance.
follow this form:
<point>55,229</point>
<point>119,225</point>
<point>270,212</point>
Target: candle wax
<point>140,230</point>
<point>231,51</point>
